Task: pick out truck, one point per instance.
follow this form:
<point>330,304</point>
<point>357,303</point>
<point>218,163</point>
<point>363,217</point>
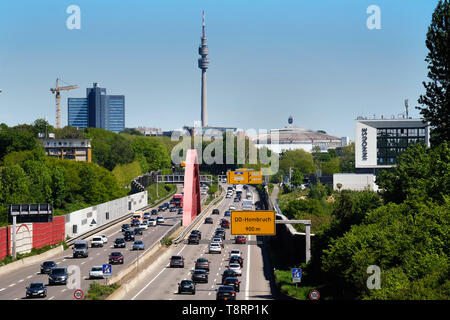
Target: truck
<point>178,200</point>
<point>239,189</point>
<point>247,204</point>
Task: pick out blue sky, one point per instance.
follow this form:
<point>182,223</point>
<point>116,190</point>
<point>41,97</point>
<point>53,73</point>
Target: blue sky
<point>314,60</point>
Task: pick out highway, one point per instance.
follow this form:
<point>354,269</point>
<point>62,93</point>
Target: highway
<point>162,281</point>
<point>13,284</point>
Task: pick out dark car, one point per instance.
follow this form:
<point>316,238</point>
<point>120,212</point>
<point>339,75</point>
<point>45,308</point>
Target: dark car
<point>129,235</point>
<point>58,275</point>
<point>202,264</point>
<point>226,293</point>
<point>138,231</point>
<point>154,212</point>
<point>194,238</point>
<point>227,214</point>
<point>177,261</point>
<point>220,233</point>
<point>233,282</point>
<point>47,266</point>
<point>119,243</point>
<point>225,224</point>
<point>116,257</point>
<point>135,223</point>
<point>186,286</point>
<point>209,220</point>
<point>237,199</point>
<point>236,259</point>
<point>125,227</point>
<point>180,211</point>
<point>215,211</point>
<point>36,289</point>
<point>228,273</point>
<point>197,232</point>
<point>240,239</point>
<point>199,275</point>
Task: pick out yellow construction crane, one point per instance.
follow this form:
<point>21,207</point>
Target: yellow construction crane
<point>58,100</point>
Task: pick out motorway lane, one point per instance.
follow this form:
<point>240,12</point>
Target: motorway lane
<point>12,285</point>
<point>162,282</point>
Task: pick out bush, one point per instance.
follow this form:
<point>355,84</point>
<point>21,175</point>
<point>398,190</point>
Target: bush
<point>100,292</point>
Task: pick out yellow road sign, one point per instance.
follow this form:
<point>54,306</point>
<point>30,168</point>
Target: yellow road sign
<point>237,177</point>
<point>260,222</point>
<point>255,177</point>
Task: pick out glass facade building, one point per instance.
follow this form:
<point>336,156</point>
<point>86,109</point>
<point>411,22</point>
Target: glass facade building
<point>97,110</point>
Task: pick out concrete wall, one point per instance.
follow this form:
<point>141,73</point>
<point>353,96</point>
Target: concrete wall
<point>93,217</point>
<point>356,182</point>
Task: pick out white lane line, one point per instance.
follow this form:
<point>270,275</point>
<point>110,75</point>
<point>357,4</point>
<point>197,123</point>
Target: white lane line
<point>29,277</point>
<point>2,289</point>
<point>154,277</point>
<point>20,281</point>
<point>12,285</point>
<point>247,282</point>
<point>83,262</point>
<point>16,298</point>
<point>51,298</point>
<point>63,290</point>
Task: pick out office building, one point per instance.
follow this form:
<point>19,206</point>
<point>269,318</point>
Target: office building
<point>97,110</point>
<point>71,149</point>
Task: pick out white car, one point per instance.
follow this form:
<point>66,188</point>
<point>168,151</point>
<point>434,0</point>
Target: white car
<point>160,220</point>
<point>152,222</point>
<point>236,267</point>
<point>96,242</point>
<point>96,272</point>
<point>235,252</point>
<point>144,225</point>
<point>104,238</point>
<point>215,248</point>
<point>232,207</point>
<point>217,240</point>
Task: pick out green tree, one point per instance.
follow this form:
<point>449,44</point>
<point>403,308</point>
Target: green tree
<point>297,178</point>
<point>436,100</point>
<point>42,126</point>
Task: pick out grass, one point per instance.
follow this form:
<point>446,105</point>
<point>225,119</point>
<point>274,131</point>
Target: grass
<point>166,241</point>
<point>163,191</point>
<point>33,252</point>
<point>125,173</point>
<point>98,291</point>
<point>270,187</point>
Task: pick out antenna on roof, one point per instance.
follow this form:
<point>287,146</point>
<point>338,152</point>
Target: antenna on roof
<point>406,107</point>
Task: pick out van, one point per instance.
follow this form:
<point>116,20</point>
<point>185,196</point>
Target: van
<point>80,248</point>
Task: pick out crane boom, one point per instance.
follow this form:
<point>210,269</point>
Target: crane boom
<point>58,96</point>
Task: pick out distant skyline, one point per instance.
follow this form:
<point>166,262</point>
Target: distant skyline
<point>316,60</point>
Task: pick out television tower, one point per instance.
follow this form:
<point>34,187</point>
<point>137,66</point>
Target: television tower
<point>203,63</point>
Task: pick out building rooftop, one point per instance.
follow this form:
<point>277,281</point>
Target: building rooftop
<point>291,134</point>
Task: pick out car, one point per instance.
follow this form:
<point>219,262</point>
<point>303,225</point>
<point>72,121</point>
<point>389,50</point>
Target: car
<point>215,211</point>
<point>194,238</point>
<point>96,242</point>
<point>58,275</point>
<point>138,245</point>
<point>104,238</point>
<point>154,212</point>
<point>180,211</point>
<point>233,281</point>
<point>236,200</point>
<point>138,231</point>
<point>115,257</point>
<point>162,208</point>
<point>215,248</point>
<point>80,248</point>
<point>228,196</point>
<point>129,235</point>
<point>186,286</point>
<point>96,272</point>
<point>228,273</point>
<point>209,220</point>
<point>152,222</point>
<point>144,225</point>
<point>234,252</point>
<point>119,243</point>
<point>232,207</point>
<point>217,240</point>
<point>146,215</point>
<point>199,275</point>
<point>226,292</point>
<point>135,223</point>
<point>47,266</point>
<point>177,261</point>
<point>36,289</point>
<point>202,263</point>
<point>227,213</point>
<point>197,232</point>
<point>160,220</point>
<point>173,209</point>
<point>236,259</point>
<point>125,227</point>
<point>203,193</point>
<point>225,224</point>
<point>236,267</point>
<point>240,239</point>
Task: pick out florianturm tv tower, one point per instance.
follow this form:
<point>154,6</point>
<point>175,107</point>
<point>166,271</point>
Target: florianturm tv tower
<point>203,63</point>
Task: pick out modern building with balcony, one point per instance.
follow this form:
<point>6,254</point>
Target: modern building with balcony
<point>70,149</point>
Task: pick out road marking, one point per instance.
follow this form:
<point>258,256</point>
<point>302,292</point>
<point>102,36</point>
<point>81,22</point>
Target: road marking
<point>247,283</point>
<point>12,285</point>
<point>51,298</point>
<point>2,289</point>
<point>20,281</point>
<point>83,262</point>
<point>29,277</point>
<point>209,294</point>
<point>16,298</point>
<point>63,290</point>
<point>155,277</point>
